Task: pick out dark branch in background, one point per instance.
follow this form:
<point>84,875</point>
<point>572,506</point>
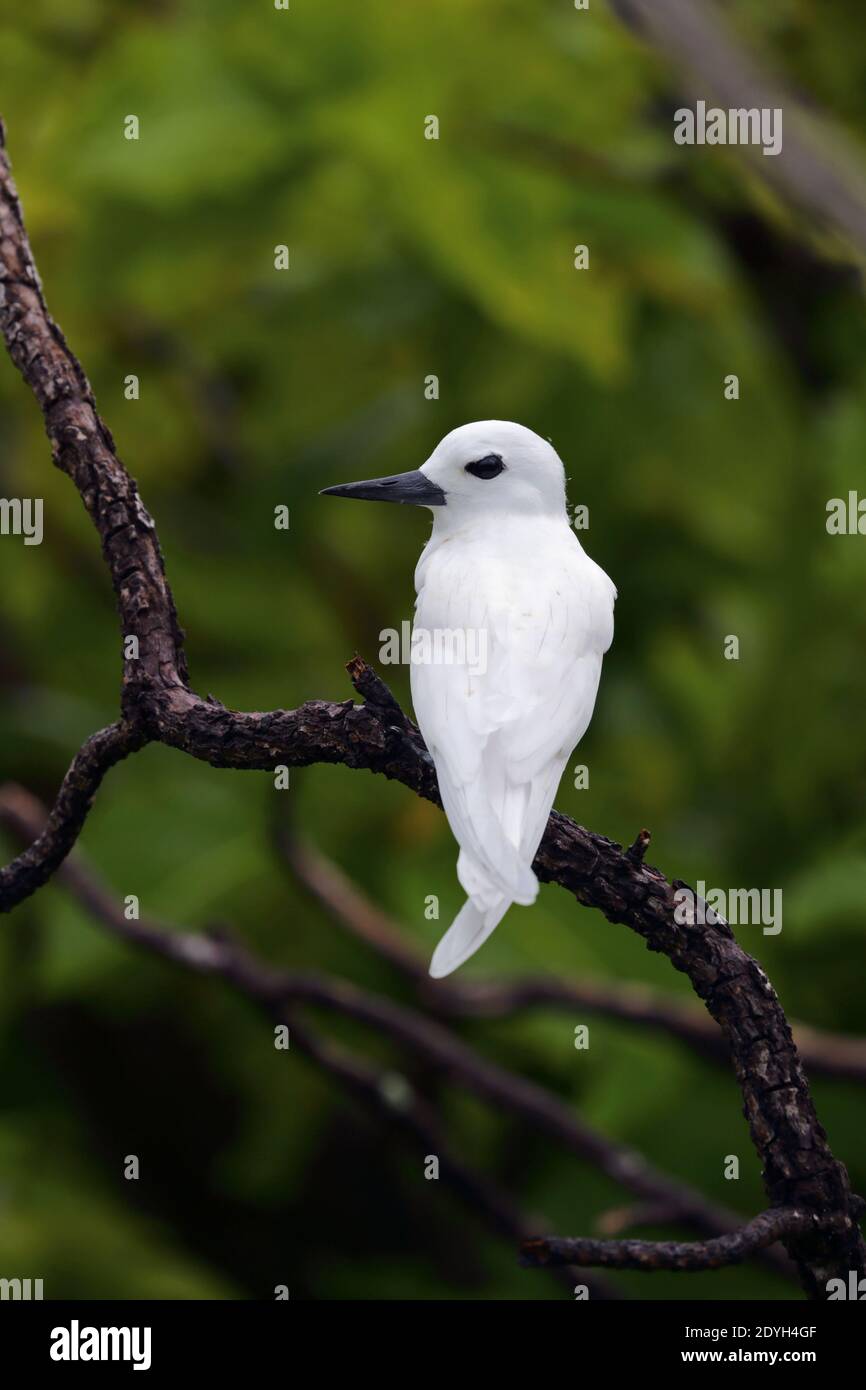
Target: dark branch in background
<point>22,815</point>
<point>370,1086</point>
<point>158,704</point>
<point>663,1201</point>
<point>281,994</point>
<point>828,1054</point>
<point>813,172</point>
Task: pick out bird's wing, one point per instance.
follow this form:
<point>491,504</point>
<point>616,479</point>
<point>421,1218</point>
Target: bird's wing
<point>500,734</point>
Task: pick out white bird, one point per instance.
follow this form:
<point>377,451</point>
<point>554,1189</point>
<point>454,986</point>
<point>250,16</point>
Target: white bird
<point>505,695</point>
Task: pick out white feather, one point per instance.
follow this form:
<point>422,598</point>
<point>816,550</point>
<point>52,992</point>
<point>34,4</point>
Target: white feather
<point>504,562</point>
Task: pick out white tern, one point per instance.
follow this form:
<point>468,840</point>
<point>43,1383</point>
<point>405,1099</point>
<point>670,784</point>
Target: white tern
<point>517,618</point>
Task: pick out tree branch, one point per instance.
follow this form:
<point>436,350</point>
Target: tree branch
<point>158,703</point>
<point>53,842</point>
<point>650,1255</point>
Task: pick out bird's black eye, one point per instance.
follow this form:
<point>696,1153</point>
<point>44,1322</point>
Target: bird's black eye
<point>487,467</point>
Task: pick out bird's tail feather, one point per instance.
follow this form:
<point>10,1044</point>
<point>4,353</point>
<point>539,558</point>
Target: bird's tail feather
<point>491,886</point>
<point>478,829</point>
<point>469,930</point>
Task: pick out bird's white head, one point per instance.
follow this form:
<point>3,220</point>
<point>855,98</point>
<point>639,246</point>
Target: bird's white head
<point>497,466</point>
<point>491,467</point>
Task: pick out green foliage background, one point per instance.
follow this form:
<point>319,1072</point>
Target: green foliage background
<point>411,257</point>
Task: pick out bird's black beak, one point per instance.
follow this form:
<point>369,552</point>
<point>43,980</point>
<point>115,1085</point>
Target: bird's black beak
<point>414,488</point>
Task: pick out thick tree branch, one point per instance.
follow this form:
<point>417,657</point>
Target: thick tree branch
<point>799,1167</point>
<point>82,446</point>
